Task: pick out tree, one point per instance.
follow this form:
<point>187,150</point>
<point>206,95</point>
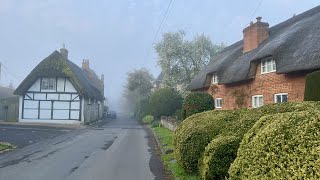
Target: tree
<point>180,60</point>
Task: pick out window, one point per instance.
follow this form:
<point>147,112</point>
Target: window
<point>89,101</point>
<point>48,84</point>
<point>257,101</point>
<point>268,66</point>
<point>215,79</point>
<point>281,97</point>
<point>219,103</point>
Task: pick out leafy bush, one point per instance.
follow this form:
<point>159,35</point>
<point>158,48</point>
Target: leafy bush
<point>165,102</point>
<point>312,87</point>
<point>218,156</point>
<point>197,102</point>
<point>280,146</point>
<point>178,115</point>
<point>195,133</point>
<point>155,124</point>
<point>147,119</point>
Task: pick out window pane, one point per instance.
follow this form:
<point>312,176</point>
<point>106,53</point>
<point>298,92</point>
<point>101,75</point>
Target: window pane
<point>284,98</point>
<point>278,98</point>
<point>273,65</point>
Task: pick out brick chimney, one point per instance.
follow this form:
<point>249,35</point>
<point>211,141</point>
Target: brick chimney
<point>86,64</point>
<point>64,51</point>
<point>255,34</point>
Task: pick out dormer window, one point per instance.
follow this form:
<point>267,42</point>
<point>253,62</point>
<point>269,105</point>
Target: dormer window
<point>214,79</point>
<point>268,66</point>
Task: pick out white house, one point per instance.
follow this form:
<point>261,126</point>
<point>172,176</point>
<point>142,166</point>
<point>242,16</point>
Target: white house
<point>58,91</point>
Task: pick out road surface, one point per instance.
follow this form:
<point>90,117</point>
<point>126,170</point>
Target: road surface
<point>117,150</point>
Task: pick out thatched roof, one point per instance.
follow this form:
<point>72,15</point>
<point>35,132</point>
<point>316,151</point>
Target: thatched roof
<point>57,65</point>
<point>293,44</point>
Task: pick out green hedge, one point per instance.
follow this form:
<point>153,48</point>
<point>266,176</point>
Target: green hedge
<point>148,119</point>
<point>312,88</point>
<point>197,102</point>
<point>195,133</point>
<point>218,156</point>
<point>280,146</point>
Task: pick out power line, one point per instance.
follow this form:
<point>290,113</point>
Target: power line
<point>254,12</point>
<point>161,26</point>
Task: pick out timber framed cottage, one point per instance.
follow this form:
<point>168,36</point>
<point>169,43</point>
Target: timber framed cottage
<point>268,66</point>
<point>58,91</point>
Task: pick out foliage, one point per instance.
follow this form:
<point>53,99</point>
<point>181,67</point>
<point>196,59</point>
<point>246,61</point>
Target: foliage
<point>140,80</point>
<point>241,96</point>
<point>165,137</point>
<point>312,87</point>
<point>195,133</point>
<point>5,147</point>
<point>155,124</point>
<point>165,102</point>
<point>147,119</point>
<point>218,156</point>
<point>197,102</point>
<point>280,146</point>
<point>178,115</point>
<point>180,60</point>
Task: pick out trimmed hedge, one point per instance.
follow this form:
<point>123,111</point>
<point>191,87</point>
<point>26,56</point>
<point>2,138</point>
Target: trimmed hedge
<point>218,156</point>
<point>312,88</point>
<point>197,102</point>
<point>196,132</point>
<point>280,146</point>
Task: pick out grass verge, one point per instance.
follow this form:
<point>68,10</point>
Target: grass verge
<point>165,137</point>
<point>5,147</point>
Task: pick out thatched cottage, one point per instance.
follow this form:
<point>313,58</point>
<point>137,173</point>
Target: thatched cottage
<point>58,91</point>
<point>269,65</point>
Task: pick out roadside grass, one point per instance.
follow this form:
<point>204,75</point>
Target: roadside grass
<point>165,136</point>
<point>5,147</point>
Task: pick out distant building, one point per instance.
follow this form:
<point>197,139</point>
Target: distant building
<point>9,104</point>
<point>269,65</point>
<point>58,91</point>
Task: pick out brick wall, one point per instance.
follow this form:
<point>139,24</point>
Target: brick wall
<point>240,94</point>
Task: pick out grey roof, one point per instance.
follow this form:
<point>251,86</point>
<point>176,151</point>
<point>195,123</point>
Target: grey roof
<point>56,65</point>
<point>293,44</point>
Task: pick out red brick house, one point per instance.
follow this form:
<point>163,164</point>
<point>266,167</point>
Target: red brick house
<point>268,66</point>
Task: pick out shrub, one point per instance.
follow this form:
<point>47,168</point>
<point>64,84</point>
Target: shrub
<point>312,88</point>
<point>195,133</point>
<point>165,102</point>
<point>147,119</point>
<point>197,102</point>
<point>155,124</point>
<point>218,156</point>
<point>280,146</point>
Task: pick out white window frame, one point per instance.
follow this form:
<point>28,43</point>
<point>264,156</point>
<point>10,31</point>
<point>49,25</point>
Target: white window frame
<point>253,103</point>
<point>215,79</point>
<point>48,83</point>
<point>268,63</point>
<point>221,103</point>
<point>280,94</point>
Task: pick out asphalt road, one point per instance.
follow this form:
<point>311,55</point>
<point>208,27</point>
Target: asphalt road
<point>24,135</point>
<point>118,150</point>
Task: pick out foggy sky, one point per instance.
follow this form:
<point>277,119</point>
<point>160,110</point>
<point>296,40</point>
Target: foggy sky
<point>116,34</point>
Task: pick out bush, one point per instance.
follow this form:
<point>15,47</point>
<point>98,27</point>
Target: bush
<point>165,102</point>
<point>147,119</point>
<point>280,146</point>
<point>197,102</point>
<point>312,88</point>
<point>218,156</point>
<point>178,115</point>
<point>195,133</point>
<point>155,124</point>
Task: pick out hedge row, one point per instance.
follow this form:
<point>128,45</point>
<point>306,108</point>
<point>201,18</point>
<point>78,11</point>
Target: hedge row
<point>197,131</point>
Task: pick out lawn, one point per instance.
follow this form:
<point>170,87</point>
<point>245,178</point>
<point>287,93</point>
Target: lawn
<point>165,136</point>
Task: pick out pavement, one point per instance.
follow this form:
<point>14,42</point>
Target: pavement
<point>113,150</point>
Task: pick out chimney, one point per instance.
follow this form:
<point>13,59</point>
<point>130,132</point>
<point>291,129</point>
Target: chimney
<point>255,34</point>
<point>64,51</point>
<point>86,64</point>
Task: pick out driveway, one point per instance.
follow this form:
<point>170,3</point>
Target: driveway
<point>116,150</point>
<point>24,135</point>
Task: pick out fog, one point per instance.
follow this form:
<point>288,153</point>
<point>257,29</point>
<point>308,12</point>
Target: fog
<point>117,35</point>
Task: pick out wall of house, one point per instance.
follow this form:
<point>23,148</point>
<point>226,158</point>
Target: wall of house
<point>9,109</point>
<point>92,110</point>
<point>240,95</point>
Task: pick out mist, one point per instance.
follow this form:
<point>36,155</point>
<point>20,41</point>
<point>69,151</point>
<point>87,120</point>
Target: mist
<point>117,35</point>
